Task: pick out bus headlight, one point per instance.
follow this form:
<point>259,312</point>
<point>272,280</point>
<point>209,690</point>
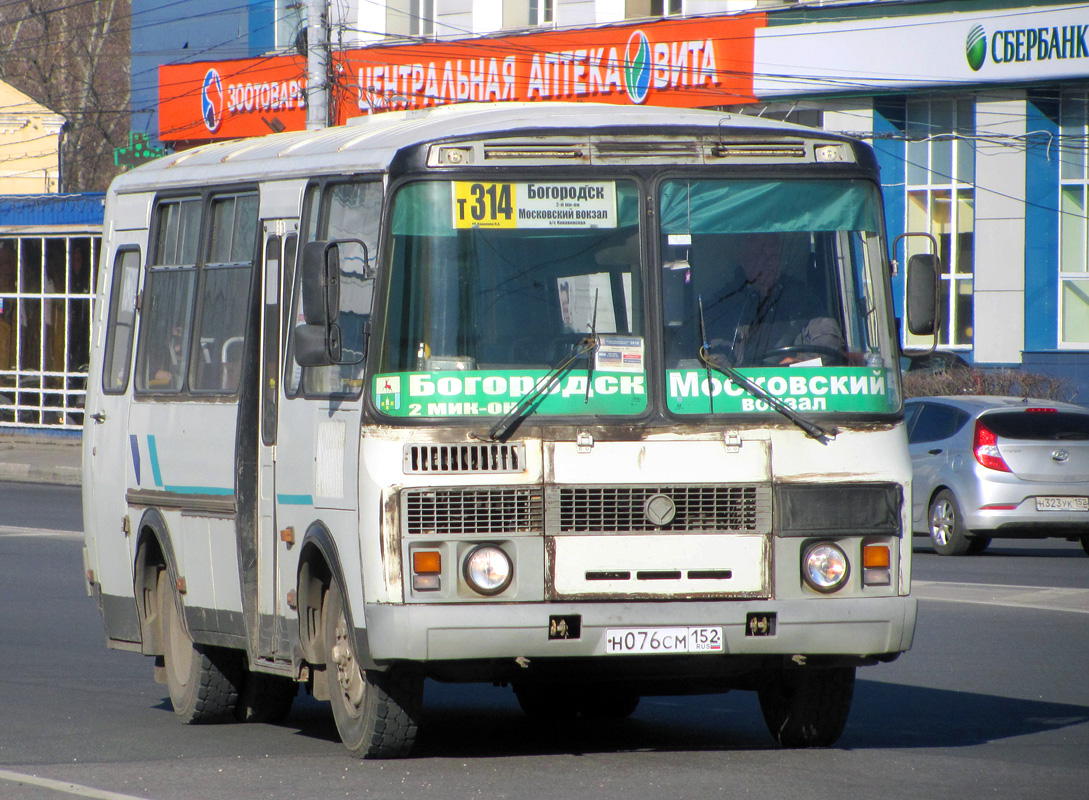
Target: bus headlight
<point>825,567</point>
<point>488,569</point>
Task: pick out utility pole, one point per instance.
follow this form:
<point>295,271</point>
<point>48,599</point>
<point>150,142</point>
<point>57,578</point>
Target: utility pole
<point>317,66</point>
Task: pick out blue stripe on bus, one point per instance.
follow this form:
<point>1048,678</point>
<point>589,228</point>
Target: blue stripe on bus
<point>295,499</point>
<point>216,490</point>
<point>134,446</point>
<point>153,454</point>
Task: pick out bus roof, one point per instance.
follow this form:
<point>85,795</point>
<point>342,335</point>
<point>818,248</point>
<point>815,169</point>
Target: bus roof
<point>369,143</point>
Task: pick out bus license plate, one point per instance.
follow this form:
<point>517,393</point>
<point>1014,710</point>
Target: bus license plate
<point>650,641</point>
<point>1062,503</point>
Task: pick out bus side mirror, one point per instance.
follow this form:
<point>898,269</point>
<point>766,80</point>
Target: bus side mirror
<point>320,282</point>
<point>923,309</point>
<point>317,341</point>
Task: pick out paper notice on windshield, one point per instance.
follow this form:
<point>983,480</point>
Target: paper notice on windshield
<point>477,204</point>
<point>619,354</point>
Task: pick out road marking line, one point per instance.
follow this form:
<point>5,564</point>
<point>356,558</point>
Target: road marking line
<point>65,787</point>
<point>10,530</point>
<point>1043,598</point>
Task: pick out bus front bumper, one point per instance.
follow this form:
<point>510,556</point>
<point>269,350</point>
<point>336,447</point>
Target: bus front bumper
<point>865,627</point>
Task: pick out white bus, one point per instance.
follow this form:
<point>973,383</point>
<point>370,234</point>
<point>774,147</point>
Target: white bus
<point>594,402</point>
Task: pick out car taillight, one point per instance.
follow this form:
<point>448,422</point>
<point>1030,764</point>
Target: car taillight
<point>985,448</point>
<point>1041,411</point>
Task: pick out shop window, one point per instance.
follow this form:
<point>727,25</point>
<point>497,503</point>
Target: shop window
<point>1073,221</point>
<point>941,201</point>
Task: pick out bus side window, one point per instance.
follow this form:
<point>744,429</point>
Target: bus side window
<point>162,352</point>
<point>122,321</point>
<point>225,286</point>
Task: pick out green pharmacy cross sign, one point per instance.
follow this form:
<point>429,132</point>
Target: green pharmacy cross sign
<point>137,152</point>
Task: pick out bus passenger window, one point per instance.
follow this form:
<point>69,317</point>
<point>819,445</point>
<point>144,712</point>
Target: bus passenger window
<point>224,300</point>
<point>225,295</point>
<point>164,339</point>
<point>115,375</point>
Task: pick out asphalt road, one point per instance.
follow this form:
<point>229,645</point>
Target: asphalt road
<point>992,702</point>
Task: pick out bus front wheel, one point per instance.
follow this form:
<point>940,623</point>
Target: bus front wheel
<point>376,713</point>
<point>808,707</point>
<point>203,681</point>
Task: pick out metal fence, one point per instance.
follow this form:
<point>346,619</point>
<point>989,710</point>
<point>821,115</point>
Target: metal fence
<point>47,279</point>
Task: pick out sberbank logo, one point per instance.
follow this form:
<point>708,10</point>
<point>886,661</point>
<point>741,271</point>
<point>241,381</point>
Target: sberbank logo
<point>975,49</point>
<point>637,64</point>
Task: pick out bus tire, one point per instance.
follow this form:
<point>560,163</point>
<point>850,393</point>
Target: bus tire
<point>265,698</point>
<point>376,713</point>
<point>808,707</point>
<point>203,681</point>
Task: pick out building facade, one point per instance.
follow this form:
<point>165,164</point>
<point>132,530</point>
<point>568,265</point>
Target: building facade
<point>29,144</point>
<point>49,249</point>
<point>978,110</point>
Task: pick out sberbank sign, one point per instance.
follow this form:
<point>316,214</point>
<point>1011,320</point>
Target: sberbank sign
<point>1021,45</point>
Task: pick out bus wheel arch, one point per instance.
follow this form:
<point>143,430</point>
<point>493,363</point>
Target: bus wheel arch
<point>154,555</point>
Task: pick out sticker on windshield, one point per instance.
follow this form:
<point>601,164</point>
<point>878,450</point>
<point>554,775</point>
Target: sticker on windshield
<point>466,393</point>
<point>477,204</point>
<point>855,389</point>
<point>619,353</point>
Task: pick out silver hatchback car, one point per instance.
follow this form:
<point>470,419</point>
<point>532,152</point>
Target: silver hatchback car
<point>997,467</point>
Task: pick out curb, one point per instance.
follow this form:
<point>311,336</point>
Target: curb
<point>26,473</point>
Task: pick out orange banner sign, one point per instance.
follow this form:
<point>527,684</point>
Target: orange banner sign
<point>690,63</point>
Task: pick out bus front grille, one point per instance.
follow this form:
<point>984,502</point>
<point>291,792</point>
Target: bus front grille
<point>472,512</point>
<point>618,509</point>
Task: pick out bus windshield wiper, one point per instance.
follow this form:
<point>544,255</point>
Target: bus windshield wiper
<point>811,429</point>
<point>502,428</point>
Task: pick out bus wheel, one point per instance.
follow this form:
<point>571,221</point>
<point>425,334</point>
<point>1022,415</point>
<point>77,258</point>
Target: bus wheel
<point>605,703</point>
<point>265,698</point>
<point>203,681</point>
<point>376,713</point>
<point>808,707</point>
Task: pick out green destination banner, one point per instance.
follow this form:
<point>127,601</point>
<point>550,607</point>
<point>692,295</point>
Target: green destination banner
<point>492,393</point>
<point>858,389</point>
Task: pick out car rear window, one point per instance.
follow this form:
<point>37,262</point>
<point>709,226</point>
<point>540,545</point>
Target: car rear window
<point>1047,425</point>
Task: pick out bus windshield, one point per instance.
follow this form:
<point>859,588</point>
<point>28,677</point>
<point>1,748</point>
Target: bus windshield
<point>781,280</point>
<point>492,285</point>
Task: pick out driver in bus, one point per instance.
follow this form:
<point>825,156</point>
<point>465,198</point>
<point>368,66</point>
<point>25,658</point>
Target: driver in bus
<point>773,315</point>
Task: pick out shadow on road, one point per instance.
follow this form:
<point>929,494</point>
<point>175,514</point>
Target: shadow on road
<point>485,722</point>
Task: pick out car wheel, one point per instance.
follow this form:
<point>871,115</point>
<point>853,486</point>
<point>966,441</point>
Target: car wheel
<point>1085,544</point>
<point>947,526</point>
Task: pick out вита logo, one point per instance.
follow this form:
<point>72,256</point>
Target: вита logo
<point>975,49</point>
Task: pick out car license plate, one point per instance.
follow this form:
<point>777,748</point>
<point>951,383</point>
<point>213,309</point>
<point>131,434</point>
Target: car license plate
<point>1062,503</point>
<point>643,641</point>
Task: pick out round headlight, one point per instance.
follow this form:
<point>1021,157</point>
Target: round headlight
<point>825,567</point>
<point>488,570</point>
